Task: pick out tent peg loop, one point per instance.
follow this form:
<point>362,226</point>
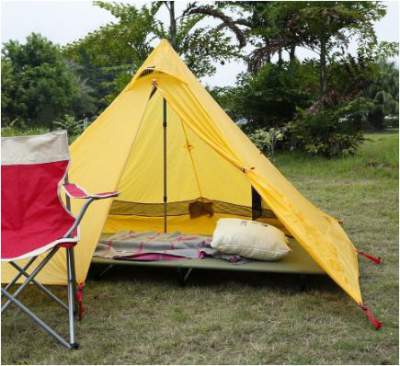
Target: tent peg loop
<point>375,260</point>
<point>245,170</point>
<point>374,321</point>
<point>79,300</point>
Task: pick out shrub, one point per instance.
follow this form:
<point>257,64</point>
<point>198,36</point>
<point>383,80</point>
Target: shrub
<point>271,97</point>
<point>331,131</point>
<point>266,140</point>
<point>74,127</point>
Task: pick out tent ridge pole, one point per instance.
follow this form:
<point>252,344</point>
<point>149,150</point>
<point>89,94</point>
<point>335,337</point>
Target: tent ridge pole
<point>165,198</point>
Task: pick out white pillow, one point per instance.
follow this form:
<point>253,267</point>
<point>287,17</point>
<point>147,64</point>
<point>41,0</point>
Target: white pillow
<point>250,239</point>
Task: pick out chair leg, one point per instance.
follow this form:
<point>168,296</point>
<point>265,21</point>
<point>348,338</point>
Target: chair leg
<point>36,319</point>
<point>71,297</point>
<point>31,276</point>
<point>14,281</point>
<point>40,286</point>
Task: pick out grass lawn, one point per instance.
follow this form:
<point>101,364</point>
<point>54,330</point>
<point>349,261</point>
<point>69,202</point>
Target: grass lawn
<point>143,315</point>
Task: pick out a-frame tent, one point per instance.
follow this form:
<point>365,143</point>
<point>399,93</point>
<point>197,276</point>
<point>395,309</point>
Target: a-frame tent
<point>208,158</point>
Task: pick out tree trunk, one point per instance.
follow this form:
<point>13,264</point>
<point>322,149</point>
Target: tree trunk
<point>280,60</point>
<point>172,23</point>
<point>322,69</point>
<point>170,5</point>
<point>268,55</point>
<point>292,54</point>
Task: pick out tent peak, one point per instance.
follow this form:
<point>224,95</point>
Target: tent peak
<point>164,59</point>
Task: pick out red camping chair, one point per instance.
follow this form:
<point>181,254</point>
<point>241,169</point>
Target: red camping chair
<point>34,220</point>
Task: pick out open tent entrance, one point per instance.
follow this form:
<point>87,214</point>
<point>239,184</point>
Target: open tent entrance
<point>168,161</point>
<point>174,181</point>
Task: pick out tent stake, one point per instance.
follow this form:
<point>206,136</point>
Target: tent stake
<point>165,162</point>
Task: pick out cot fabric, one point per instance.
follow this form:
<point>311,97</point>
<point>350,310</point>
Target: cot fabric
<point>32,167</point>
<point>154,246</point>
<point>208,156</point>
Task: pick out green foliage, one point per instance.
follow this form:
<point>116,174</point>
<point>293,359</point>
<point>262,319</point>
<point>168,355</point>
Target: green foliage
<point>115,50</point>
<point>384,92</point>
<point>17,131</point>
<point>274,26</point>
<point>111,54</point>
<point>266,140</point>
<point>70,124</point>
<point>272,96</point>
<point>332,131</point>
<point>37,84</point>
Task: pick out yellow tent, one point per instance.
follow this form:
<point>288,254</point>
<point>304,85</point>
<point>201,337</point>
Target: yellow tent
<point>208,159</point>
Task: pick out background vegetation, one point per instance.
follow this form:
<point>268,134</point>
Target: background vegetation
<point>320,105</point>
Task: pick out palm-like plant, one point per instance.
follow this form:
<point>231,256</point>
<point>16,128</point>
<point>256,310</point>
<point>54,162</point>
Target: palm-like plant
<point>384,91</point>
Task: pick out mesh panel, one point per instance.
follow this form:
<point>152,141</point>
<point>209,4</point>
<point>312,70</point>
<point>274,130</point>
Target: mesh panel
<point>181,208</point>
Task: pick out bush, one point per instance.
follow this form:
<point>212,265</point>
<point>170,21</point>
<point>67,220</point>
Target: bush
<point>331,131</point>
<point>16,131</point>
<point>271,97</point>
<point>266,140</point>
<point>38,86</point>
<point>74,127</point>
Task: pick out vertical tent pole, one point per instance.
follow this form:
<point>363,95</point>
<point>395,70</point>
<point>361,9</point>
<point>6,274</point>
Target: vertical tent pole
<point>165,162</point>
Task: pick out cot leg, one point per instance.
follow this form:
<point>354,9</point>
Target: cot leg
<point>103,272</point>
<point>303,283</point>
<point>183,275</point>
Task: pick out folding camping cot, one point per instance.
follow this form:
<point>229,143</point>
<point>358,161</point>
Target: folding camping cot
<point>297,262</point>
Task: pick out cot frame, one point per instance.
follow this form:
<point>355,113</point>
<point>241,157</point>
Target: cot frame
<point>296,263</point>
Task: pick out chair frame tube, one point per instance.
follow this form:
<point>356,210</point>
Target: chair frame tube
<point>30,278</point>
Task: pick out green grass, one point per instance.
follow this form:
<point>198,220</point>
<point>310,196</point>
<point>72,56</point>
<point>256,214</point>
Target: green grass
<point>143,315</point>
<point>13,131</point>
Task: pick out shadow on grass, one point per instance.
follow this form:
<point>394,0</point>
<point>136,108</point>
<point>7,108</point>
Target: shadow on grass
<point>287,282</point>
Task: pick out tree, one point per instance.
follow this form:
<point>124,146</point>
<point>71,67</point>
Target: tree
<point>109,55</point>
<point>331,24</point>
<point>37,84</point>
<point>384,92</point>
<point>272,96</point>
<point>272,27</point>
<point>323,26</point>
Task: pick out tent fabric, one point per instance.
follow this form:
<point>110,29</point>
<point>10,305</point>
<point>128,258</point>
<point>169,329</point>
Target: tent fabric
<point>208,157</point>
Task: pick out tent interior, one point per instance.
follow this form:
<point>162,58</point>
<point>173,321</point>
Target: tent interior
<point>200,187</point>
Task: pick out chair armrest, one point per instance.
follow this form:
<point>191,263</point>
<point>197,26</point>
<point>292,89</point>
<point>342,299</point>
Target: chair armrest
<point>74,191</point>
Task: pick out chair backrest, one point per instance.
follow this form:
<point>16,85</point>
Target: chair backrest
<point>32,168</point>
